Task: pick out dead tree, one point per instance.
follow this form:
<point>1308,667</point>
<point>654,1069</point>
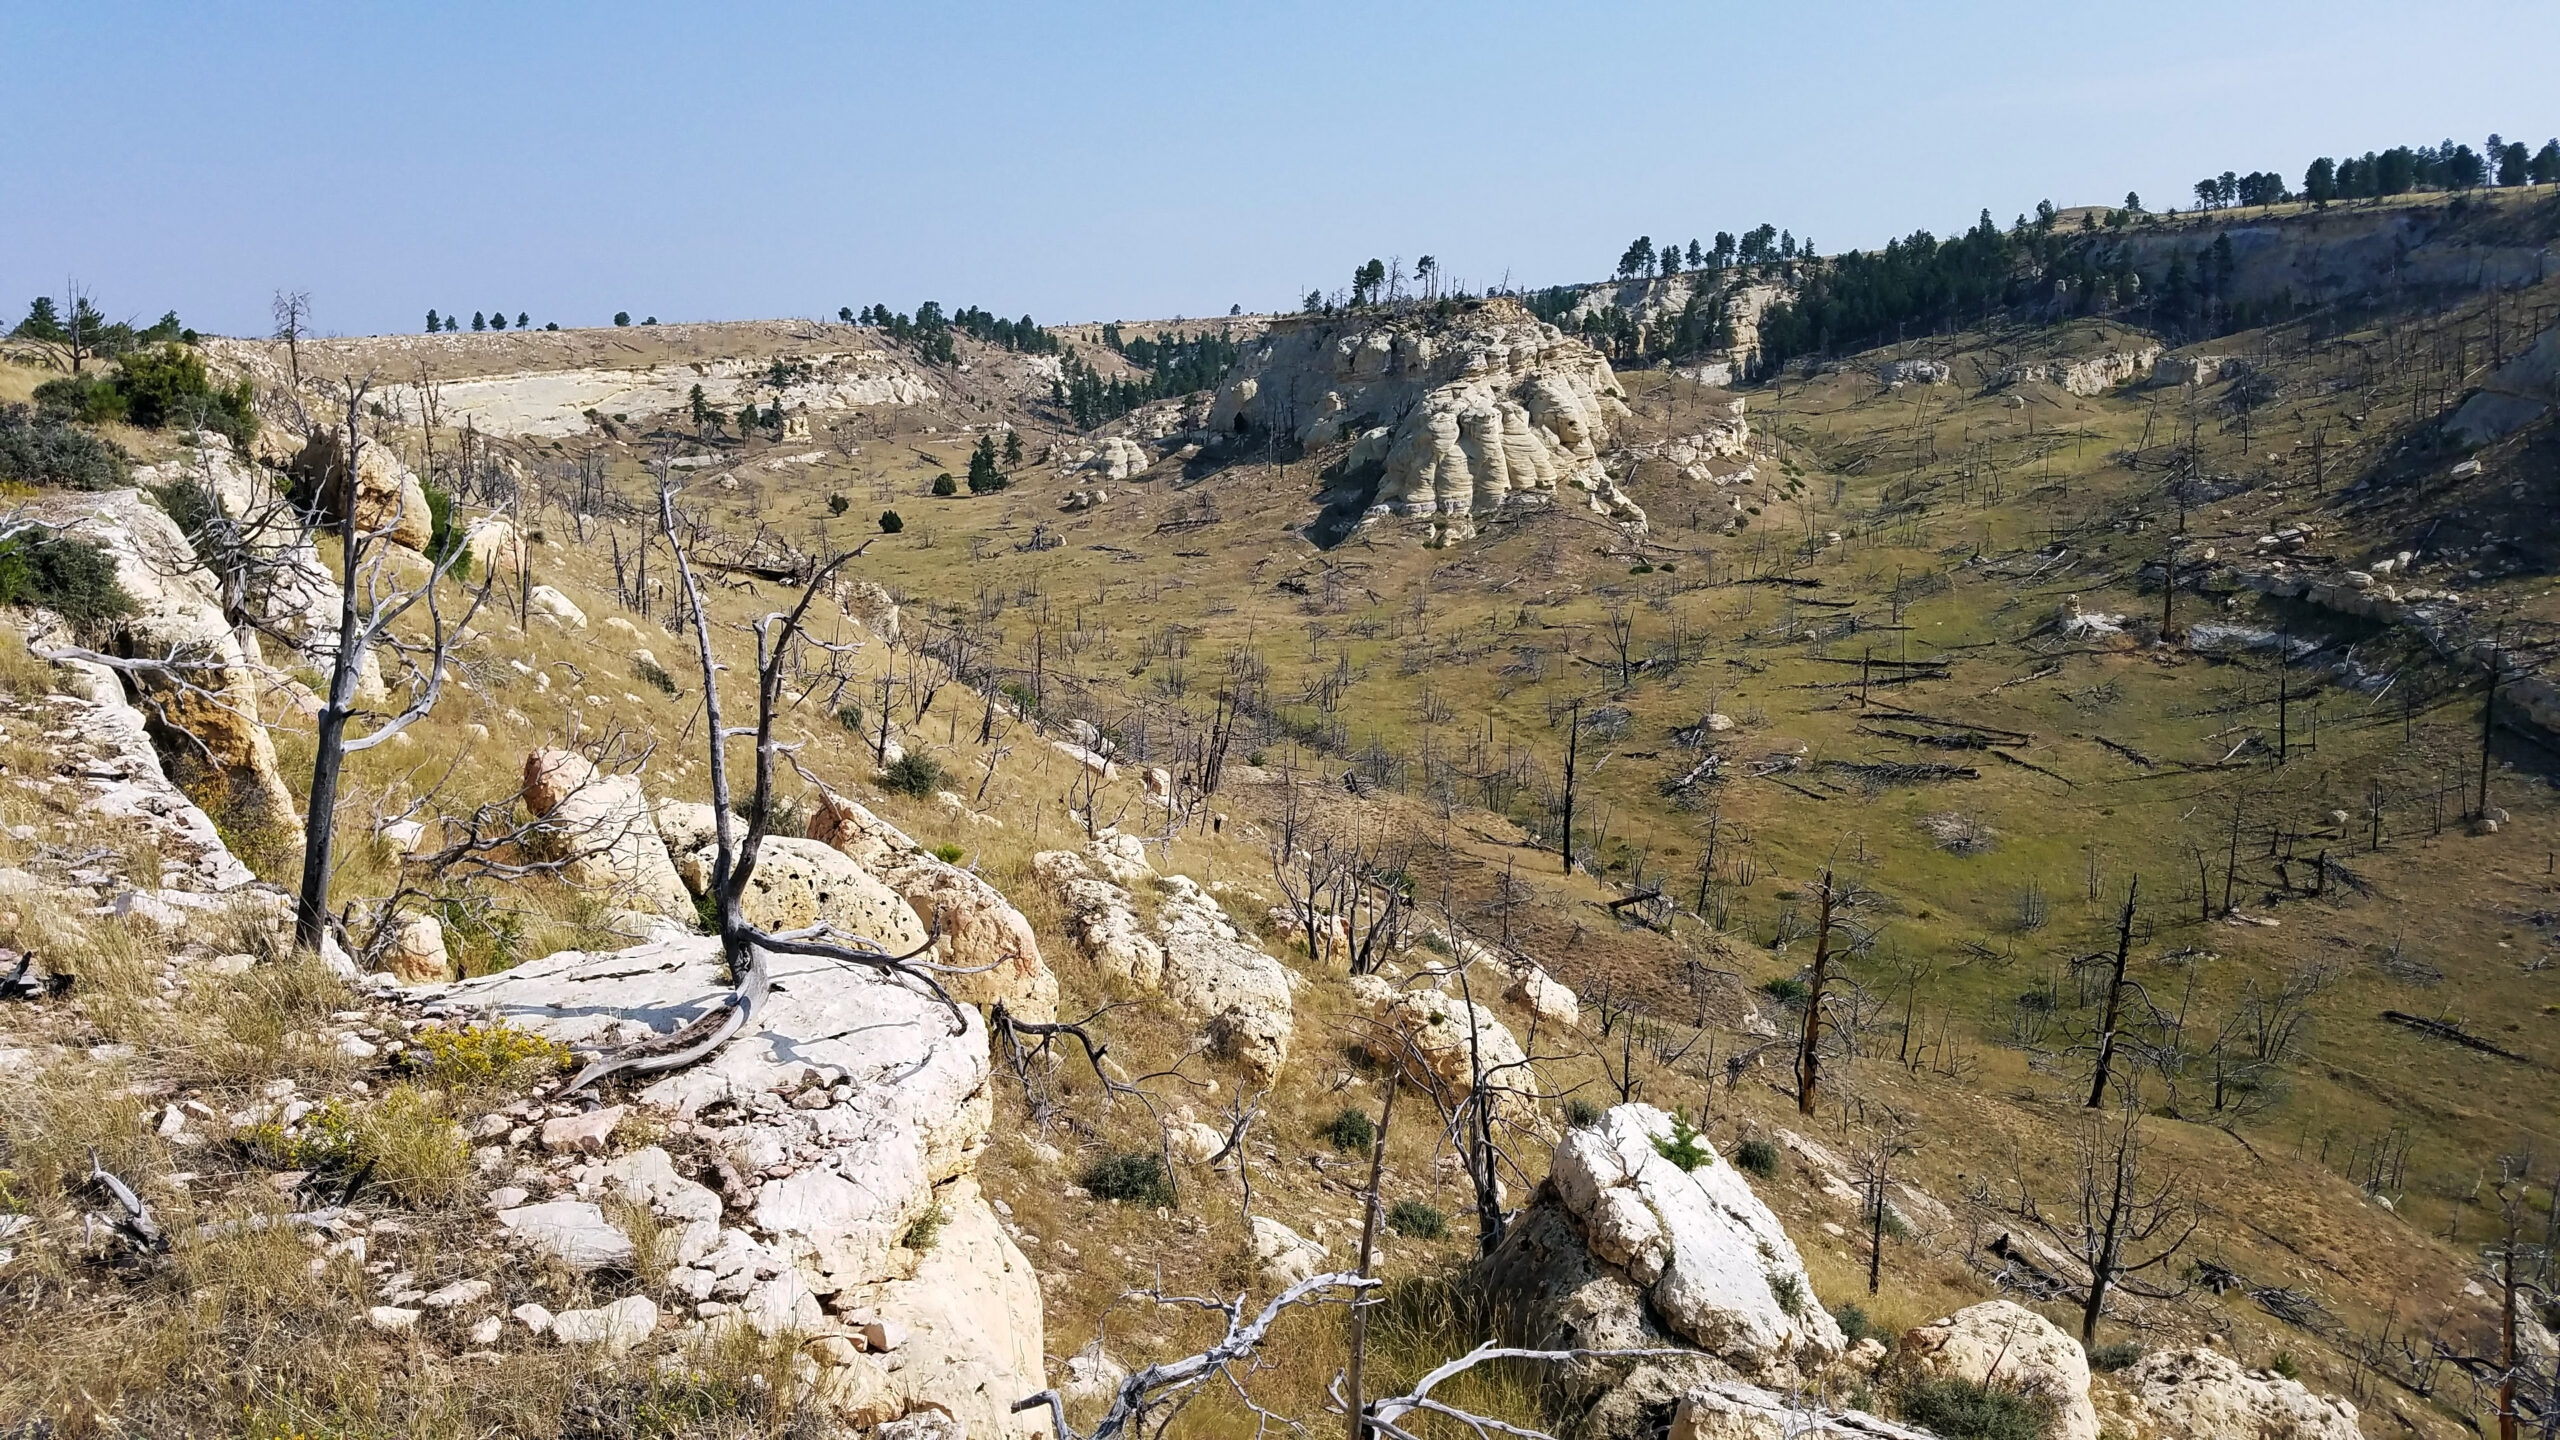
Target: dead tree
<point>743,945</point>
<point>371,600</point>
<point>2114,1011</point>
<point>1808,1053</point>
<point>292,312</point>
<point>1572,757</point>
<point>2116,1220</point>
<point>1891,1141</point>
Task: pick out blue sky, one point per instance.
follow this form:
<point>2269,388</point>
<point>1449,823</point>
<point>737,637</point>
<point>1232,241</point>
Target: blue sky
<point>1129,160</point>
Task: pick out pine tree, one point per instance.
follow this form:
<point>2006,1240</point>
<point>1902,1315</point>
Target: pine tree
<point>479,321</point>
<point>435,322</point>
<point>621,317</point>
<point>984,477</point>
<point>524,320</point>
<point>43,322</point>
<point>2544,168</point>
<point>1012,449</point>
<point>498,321</point>
<point>701,410</point>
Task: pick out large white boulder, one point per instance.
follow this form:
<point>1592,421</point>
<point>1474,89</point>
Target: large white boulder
<point>798,883</point>
<point>2205,1393</point>
<point>1104,919</point>
<point>978,930</point>
<point>2002,1343</point>
<point>553,608</point>
<point>1440,1039</point>
<point>1624,1247</point>
<point>605,823</point>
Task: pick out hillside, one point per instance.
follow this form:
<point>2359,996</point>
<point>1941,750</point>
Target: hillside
<point>2074,696</point>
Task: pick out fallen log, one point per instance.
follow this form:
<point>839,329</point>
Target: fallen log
<point>2455,1033</point>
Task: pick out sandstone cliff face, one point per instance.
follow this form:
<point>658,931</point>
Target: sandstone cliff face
<point>1451,419</point>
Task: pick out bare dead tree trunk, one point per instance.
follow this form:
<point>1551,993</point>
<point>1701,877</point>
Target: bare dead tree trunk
<point>1572,755</point>
<point>1368,1251</point>
<point>2115,998</point>
<point>1808,1053</point>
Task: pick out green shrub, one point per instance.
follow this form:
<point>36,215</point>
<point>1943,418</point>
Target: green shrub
<point>849,715</point>
<point>1788,1291</point>
<point>1581,1114</point>
<point>1788,991</point>
<point>1021,695</point>
<point>72,578</point>
<point>656,674</point>
<point>890,524</point>
<point>1136,1176</point>
<point>915,775</point>
<point>444,537</point>
<point>168,385</point>
<point>837,504</point>
<point>90,399</point>
<point>1681,1147</point>
<point>927,1228</point>
<point>943,484</point>
<point>949,854</point>
<point>1418,1219</point>
<point>1350,1130</point>
<point>2107,1359</point>
<point>486,1057</point>
<point>1966,1410</point>
<point>37,448</point>
<point>1757,1156</point>
<point>2284,1365</point>
<point>1853,1322</point>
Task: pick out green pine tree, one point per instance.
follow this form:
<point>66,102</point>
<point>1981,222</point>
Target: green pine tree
<point>984,477</point>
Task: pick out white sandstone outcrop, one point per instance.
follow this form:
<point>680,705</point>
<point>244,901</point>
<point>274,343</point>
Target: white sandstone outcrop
<point>2092,375</point>
<point>605,822</point>
<point>1193,953</point>
<point>225,755</point>
<point>1731,1410</point>
<point>1454,419</point>
<point>1915,372</point>
<point>2005,1344</point>
<point>1624,1249</point>
<point>2181,1393</point>
<point>977,929</point>
<point>851,1107</point>
<point>388,494</point>
<point>799,883</point>
<point>1439,1039</point>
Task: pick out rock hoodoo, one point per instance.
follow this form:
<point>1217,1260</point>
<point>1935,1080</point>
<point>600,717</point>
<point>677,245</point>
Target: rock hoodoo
<point>1450,420</point>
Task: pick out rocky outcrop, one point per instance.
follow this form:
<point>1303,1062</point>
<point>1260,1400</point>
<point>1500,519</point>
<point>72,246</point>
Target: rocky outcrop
<point>1624,1249</point>
<point>2091,375</point>
<point>2008,1345</point>
<point>799,883</point>
<point>1915,372</point>
<point>1193,953</point>
<point>203,716</point>
<point>2180,1393</point>
<point>495,545</point>
<point>387,492</point>
<point>2197,369</point>
<point>272,583</point>
<point>850,1109</point>
<point>868,604</point>
<point>1439,1040</point>
<point>976,928</point>
<point>1114,458</point>
<point>123,774</point>
<point>2519,393</point>
<point>603,821</point>
<point>1453,419</point>
<point>1731,1410</point>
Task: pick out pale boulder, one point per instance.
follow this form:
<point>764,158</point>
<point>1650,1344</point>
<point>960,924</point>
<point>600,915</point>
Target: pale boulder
<point>387,492</point>
<point>977,928</point>
<point>416,955</point>
<point>571,1231</point>
<point>2206,1393</point>
<point>1439,1039</point>
<point>799,883</point>
<point>605,822</point>
<point>1282,1256</point>
<point>1732,1410</point>
<point>495,545</point>
<point>613,1328</point>
<point>2005,1344</point>
<point>553,608</point>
